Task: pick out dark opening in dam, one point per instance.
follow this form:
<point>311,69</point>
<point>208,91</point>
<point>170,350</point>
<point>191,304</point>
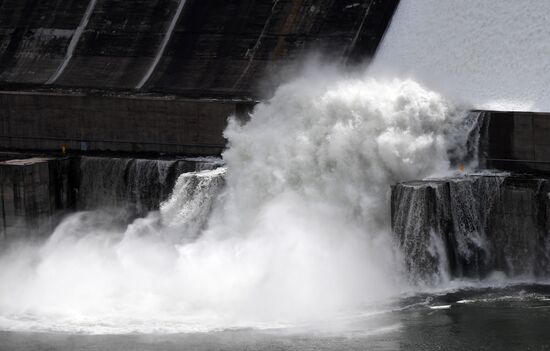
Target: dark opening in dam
<point>274,174</point>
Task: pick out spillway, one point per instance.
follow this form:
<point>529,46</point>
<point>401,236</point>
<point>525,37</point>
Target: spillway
<point>181,166</point>
<point>473,226</point>
<point>120,182</point>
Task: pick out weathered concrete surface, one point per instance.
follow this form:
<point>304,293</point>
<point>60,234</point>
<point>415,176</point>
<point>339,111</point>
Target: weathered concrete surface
<point>118,44</point>
<point>227,47</point>
<point>194,47</point>
<point>32,191</point>
<point>42,121</point>
<point>68,68</point>
<point>471,226</point>
<point>517,141</point>
<point>34,36</point>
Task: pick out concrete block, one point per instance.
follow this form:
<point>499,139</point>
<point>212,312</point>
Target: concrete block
<point>26,199</point>
<point>522,137</point>
<point>541,125</point>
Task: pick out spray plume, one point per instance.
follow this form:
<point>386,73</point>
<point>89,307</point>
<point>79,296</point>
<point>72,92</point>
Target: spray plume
<point>299,232</point>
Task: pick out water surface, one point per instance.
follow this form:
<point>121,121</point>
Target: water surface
<point>514,318</point>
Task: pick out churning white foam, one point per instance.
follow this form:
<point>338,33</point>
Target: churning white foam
<point>491,53</point>
<point>300,231</point>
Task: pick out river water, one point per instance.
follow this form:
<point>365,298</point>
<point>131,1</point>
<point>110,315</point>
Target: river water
<point>512,318</point>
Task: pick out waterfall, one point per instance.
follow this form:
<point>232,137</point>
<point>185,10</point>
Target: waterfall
<point>421,218</point>
<point>103,182</point>
<point>192,201</point>
<point>139,185</point>
<point>486,222</point>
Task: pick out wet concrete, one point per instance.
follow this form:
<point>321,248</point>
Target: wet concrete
<point>472,226</point>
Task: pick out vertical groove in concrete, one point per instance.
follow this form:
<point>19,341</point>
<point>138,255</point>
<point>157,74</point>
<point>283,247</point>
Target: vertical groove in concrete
<point>163,45</point>
<point>349,49</point>
<point>287,27</point>
<point>74,41</point>
<point>252,52</point>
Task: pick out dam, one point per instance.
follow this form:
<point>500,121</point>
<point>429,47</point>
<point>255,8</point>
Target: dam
<point>288,174</point>
<point>140,63</point>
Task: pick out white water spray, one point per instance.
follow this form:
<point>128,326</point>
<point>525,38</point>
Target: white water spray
<point>491,53</point>
<point>300,233</point>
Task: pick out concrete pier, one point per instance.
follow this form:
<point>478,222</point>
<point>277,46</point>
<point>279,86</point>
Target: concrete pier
<point>32,191</point>
<point>471,226</point>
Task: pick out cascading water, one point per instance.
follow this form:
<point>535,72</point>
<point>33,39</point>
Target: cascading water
<point>481,224</point>
<point>191,203</point>
<point>300,231</point>
<point>103,182</point>
<point>139,185</point>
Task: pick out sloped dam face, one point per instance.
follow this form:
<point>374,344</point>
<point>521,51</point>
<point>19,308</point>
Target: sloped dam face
<point>149,196</point>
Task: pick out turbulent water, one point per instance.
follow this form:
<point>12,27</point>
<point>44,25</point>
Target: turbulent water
<point>136,185</point>
<point>299,233</point>
<point>504,318</point>
<point>294,228</point>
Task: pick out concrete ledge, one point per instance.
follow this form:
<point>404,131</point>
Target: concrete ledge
<point>45,121</point>
<point>32,191</point>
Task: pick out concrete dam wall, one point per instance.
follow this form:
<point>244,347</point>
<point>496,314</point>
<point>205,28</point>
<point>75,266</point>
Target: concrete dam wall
<point>82,122</point>
<point>133,76</point>
<point>191,47</point>
<point>516,141</point>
